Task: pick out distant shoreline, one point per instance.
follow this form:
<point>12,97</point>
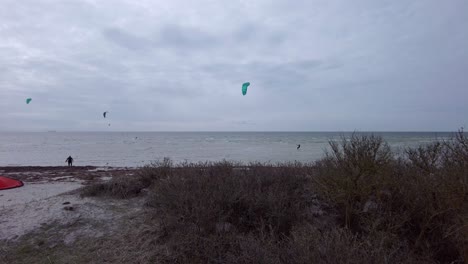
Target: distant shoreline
<point>259,131</point>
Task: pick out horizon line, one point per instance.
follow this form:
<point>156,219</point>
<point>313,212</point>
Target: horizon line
<point>231,131</point>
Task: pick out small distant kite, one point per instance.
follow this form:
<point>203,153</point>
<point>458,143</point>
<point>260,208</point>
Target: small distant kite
<point>28,100</point>
<point>244,88</point>
<point>105,113</point>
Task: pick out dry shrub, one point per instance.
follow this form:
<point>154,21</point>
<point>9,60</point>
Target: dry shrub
<point>426,158</point>
<point>216,193</point>
<point>422,199</point>
<point>122,187</point>
<point>155,171</point>
<point>437,198</point>
<point>191,247</point>
<point>308,244</point>
<point>353,172</point>
<point>130,186</point>
<point>210,211</point>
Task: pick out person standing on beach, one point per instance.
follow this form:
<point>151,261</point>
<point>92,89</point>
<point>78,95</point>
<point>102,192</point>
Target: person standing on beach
<point>70,161</point>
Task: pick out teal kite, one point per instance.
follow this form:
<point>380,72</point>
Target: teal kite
<point>244,88</point>
<point>28,100</point>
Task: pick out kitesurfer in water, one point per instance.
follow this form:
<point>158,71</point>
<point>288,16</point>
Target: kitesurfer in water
<point>70,161</point>
<point>298,146</point>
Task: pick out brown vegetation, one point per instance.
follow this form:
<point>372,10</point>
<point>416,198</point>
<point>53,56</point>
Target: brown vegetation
<point>420,199</point>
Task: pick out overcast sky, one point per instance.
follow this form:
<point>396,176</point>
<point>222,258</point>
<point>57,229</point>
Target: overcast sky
<point>313,65</point>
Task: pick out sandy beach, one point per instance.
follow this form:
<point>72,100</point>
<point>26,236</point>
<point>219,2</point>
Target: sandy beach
<point>49,196</point>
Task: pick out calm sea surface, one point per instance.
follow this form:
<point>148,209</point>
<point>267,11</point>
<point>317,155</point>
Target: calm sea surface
<point>138,148</point>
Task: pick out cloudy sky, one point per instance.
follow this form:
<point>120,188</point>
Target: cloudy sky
<point>313,65</point>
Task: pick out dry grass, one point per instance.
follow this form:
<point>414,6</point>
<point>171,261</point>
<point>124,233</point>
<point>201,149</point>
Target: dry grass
<point>122,187</point>
<point>129,245</point>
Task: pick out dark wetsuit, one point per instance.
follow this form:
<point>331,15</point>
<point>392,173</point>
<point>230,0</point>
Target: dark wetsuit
<point>70,161</point>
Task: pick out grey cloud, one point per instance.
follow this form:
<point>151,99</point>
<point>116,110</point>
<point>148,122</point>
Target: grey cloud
<point>179,65</point>
<point>258,33</point>
<point>182,39</point>
<point>177,36</point>
<point>126,39</point>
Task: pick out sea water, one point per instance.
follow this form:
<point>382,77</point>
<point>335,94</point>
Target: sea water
<point>133,149</point>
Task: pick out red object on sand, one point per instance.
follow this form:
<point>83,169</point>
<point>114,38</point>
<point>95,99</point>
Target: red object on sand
<point>8,183</point>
